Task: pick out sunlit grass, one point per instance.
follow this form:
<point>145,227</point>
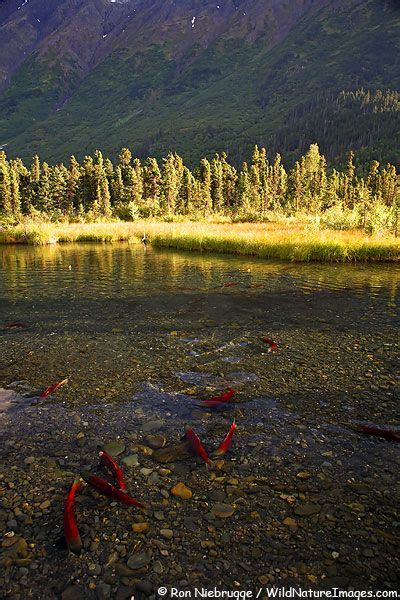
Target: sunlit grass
<point>293,240</point>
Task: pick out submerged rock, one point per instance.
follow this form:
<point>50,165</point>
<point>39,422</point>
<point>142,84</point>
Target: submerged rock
<point>139,560</point>
<point>140,527</point>
<point>156,441</point>
<point>115,448</point>
<point>152,426</point>
<point>168,534</point>
<point>181,491</point>
<point>222,511</point>
<point>131,460</point>
<point>306,510</point>
<point>172,453</point>
<point>289,522</point>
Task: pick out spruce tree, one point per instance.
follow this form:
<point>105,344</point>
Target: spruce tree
<point>205,180</point>
<point>105,199</point>
<point>15,191</point>
<point>187,193</point>
<point>72,185</point>
<point>5,187</point>
<point>58,182</point>
<point>229,181</point>
<point>217,185</point>
<point>87,187</point>
<point>243,193</point>
<point>152,186</point>
<point>296,188</point>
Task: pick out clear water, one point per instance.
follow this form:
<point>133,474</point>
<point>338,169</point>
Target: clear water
<point>114,316</point>
<point>143,336</point>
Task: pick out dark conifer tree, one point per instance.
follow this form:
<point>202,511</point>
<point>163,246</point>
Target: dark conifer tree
<point>15,191</point>
<point>205,179</point>
<point>73,174</point>
<point>6,209</point>
<point>152,186</point>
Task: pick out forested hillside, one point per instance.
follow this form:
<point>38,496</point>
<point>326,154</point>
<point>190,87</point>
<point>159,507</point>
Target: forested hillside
<point>197,78</point>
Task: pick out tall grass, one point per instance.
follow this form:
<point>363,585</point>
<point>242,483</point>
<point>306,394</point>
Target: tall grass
<point>293,240</point>
<point>40,234</point>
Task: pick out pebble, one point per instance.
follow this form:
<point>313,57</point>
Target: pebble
<point>19,547</point>
<point>9,540</point>
<point>131,460</point>
<point>123,570</point>
<point>168,534</point>
<point>152,426</point>
<point>139,560</point>
<point>306,510</point>
<point>94,569</point>
<point>45,504</point>
<point>222,511</point>
<point>171,454</point>
<point>103,591</point>
<point>154,479</point>
<point>156,441</point>
<point>164,472</point>
<point>140,527</point>
<point>181,491</point>
<point>158,568</point>
<point>29,460</point>
<point>304,475</point>
<point>145,586</point>
<point>115,448</point>
<point>146,472</point>
<point>73,592</point>
<point>292,523</point>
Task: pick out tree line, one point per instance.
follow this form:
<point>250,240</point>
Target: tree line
<point>98,189</point>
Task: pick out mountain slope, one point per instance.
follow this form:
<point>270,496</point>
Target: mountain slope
<point>195,78</point>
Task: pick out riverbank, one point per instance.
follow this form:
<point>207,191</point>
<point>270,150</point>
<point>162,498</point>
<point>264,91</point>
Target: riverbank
<point>293,241</point>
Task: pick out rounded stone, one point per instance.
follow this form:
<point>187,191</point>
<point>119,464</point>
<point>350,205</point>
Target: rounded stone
<point>140,527</point>
<point>182,491</point>
<point>156,441</point>
<point>139,560</point>
<point>222,511</point>
<point>168,534</point>
<point>131,460</point>
<point>115,447</point>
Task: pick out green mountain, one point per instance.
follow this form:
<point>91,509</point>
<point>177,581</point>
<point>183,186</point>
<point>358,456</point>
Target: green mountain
<point>200,77</point>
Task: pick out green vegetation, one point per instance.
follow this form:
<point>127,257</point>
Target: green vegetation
<point>296,214</point>
<point>97,189</point>
<point>288,239</point>
<point>283,94</point>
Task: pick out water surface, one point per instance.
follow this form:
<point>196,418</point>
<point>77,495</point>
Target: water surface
<point>113,316</point>
<point>143,336</point>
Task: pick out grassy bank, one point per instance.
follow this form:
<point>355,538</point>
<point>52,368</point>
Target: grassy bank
<point>293,240</point>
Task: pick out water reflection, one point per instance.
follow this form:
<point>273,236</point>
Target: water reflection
<point>120,270</point>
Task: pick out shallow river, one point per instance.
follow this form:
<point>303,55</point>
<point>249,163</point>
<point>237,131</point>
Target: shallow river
<point>143,336</point>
